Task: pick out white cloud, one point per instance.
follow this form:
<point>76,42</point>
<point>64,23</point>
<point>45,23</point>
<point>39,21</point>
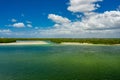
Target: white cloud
<point>13,20</point>
<point>93,24</point>
<point>58,19</point>
<point>36,27</point>
<point>5,31</point>
<point>106,24</point>
<point>83,6</point>
<point>29,22</point>
<point>103,21</point>
<point>19,25</point>
<point>29,25</point>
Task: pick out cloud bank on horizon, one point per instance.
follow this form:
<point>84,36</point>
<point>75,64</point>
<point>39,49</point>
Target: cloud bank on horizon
<point>88,23</point>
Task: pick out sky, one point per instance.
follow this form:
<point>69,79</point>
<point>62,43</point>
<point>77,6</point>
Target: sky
<point>59,18</point>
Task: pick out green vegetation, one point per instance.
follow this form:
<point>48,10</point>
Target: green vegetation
<point>59,40</point>
<point>7,40</point>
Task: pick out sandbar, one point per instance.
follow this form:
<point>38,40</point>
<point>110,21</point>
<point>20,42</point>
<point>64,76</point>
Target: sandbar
<point>26,43</point>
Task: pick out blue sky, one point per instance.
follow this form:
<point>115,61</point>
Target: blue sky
<point>60,18</point>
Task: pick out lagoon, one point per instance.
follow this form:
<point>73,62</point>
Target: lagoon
<point>59,62</point>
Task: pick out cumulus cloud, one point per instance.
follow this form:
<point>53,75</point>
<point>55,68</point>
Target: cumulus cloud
<point>58,19</point>
<point>5,31</point>
<point>13,20</point>
<point>36,27</point>
<point>29,22</point>
<point>105,24</point>
<point>19,25</point>
<point>29,25</point>
<point>107,20</point>
<point>93,24</point>
<point>83,6</point>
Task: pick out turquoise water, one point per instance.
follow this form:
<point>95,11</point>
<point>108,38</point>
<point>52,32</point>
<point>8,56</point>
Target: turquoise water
<point>57,62</point>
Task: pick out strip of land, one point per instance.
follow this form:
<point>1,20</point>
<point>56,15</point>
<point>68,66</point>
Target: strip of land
<point>25,43</point>
<point>90,44</point>
<point>75,43</point>
<point>65,41</point>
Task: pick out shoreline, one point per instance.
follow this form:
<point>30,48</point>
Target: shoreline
<point>76,43</point>
<point>26,43</point>
<point>65,41</point>
<point>62,43</point>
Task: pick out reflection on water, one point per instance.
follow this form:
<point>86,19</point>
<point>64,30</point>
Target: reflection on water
<point>59,62</point>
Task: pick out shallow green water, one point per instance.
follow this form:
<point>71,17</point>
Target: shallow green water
<point>58,62</point>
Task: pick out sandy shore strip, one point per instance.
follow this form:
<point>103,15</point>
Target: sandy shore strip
<point>26,43</point>
<point>45,43</point>
<point>75,43</point>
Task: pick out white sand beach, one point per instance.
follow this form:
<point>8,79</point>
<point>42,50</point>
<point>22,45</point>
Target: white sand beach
<point>75,43</point>
<point>44,43</point>
<point>26,43</point>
